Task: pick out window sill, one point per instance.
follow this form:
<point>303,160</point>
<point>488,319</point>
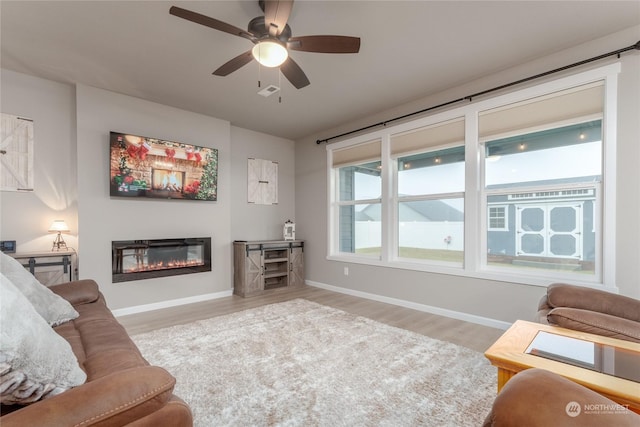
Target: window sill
<point>493,274</point>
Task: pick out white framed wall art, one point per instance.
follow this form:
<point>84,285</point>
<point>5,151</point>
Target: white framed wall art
<point>262,182</point>
<point>16,153</point>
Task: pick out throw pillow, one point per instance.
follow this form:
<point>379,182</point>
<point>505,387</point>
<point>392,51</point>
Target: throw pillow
<point>53,308</point>
<point>35,362</point>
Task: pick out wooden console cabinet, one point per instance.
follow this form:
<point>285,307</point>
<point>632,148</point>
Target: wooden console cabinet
<point>50,268</point>
<point>267,264</point>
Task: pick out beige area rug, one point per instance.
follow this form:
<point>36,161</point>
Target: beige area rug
<point>299,363</point>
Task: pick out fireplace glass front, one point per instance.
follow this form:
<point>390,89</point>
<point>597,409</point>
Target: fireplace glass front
<point>145,259</point>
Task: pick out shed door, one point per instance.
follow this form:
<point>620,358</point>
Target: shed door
<point>549,230</point>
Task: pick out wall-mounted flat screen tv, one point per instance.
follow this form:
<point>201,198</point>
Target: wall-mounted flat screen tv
<point>149,167</point>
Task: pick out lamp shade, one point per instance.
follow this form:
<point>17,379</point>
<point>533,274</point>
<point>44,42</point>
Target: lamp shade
<point>270,53</point>
<point>58,226</point>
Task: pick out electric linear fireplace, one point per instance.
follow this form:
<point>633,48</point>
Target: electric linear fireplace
<point>146,259</point>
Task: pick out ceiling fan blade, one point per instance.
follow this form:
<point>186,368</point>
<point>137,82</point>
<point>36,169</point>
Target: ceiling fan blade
<point>234,64</point>
<point>325,44</point>
<point>210,22</point>
<point>294,73</point>
<point>276,15</point>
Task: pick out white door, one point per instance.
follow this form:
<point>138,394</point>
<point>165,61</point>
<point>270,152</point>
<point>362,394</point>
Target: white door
<point>549,230</point>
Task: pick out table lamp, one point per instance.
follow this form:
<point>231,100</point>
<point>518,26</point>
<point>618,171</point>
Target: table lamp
<point>59,226</point>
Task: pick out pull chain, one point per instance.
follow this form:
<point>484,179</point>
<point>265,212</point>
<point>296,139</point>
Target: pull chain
<point>259,69</point>
<point>280,86</point>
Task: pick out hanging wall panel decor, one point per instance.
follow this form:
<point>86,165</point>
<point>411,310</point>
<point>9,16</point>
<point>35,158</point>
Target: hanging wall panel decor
<point>16,154</point>
<point>262,182</point>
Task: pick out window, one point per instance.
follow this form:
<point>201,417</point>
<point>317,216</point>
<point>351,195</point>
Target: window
<point>545,166</point>
<point>430,193</point>
<point>359,189</point>
<point>497,216</point>
<point>509,188</point>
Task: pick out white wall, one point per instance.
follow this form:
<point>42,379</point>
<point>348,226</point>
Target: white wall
<point>26,216</point>
<point>261,222</point>
<point>414,234</point>
<point>485,298</point>
<point>72,126</point>
<point>103,219</point>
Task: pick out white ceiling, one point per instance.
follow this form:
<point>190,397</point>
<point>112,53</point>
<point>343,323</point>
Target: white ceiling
<point>409,50</point>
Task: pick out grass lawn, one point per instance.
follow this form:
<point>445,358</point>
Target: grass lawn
<point>420,253</point>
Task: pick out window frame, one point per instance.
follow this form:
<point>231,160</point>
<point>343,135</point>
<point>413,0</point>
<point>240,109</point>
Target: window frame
<point>476,208</point>
<point>334,205</point>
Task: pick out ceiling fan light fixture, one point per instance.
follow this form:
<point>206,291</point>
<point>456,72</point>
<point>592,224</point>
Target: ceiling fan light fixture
<point>270,53</point>
<point>271,35</point>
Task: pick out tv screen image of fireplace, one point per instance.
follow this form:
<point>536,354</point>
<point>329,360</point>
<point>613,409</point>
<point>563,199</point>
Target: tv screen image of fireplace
<point>146,259</point>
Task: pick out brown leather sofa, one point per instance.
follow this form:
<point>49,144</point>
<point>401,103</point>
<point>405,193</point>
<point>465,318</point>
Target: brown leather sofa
<point>539,398</point>
<point>591,310</point>
<point>121,387</point>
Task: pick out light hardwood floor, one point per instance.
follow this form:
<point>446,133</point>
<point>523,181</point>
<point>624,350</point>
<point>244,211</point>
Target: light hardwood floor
<point>471,335</point>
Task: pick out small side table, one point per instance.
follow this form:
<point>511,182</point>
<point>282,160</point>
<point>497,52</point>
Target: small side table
<point>50,268</point>
<point>509,355</point>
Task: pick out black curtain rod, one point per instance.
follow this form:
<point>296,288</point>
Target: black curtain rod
<point>484,92</point>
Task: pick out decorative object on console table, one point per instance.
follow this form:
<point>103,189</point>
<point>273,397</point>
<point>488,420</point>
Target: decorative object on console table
<point>50,268</point>
<point>267,264</point>
<point>59,226</point>
<point>289,232</point>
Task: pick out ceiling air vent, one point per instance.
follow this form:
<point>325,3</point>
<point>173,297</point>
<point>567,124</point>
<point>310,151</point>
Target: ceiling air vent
<point>269,90</point>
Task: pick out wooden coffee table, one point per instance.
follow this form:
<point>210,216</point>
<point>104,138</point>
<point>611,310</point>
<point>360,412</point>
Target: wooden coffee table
<point>509,355</point>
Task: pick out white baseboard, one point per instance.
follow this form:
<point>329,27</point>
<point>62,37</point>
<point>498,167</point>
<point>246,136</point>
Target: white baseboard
<point>485,321</point>
<point>170,303</point>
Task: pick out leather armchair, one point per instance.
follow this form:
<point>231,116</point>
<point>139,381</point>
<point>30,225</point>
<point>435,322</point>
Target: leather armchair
<point>591,310</point>
<point>539,398</point>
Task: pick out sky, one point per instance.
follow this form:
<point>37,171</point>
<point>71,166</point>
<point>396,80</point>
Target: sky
<point>555,163</point>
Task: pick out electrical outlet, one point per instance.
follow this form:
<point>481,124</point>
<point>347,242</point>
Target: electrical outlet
<point>346,271</point>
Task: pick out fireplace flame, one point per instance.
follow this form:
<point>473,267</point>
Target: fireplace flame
<point>161,265</point>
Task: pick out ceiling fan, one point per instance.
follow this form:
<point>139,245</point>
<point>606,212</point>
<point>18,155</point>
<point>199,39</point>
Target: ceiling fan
<point>271,36</point>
